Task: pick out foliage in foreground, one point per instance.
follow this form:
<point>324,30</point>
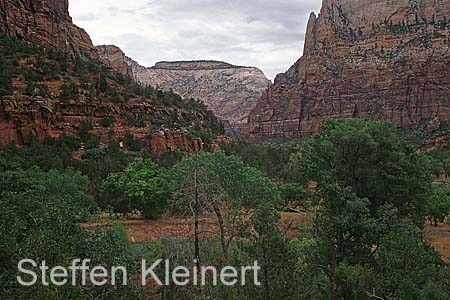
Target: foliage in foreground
<point>39,220</point>
<point>371,195</point>
<point>372,191</point>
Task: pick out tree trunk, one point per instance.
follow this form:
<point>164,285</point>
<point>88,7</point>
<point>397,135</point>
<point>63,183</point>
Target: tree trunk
<point>197,229</point>
<point>331,276</point>
<point>222,230</point>
<point>196,225</point>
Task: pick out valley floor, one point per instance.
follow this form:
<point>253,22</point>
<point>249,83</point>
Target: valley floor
<point>141,231</point>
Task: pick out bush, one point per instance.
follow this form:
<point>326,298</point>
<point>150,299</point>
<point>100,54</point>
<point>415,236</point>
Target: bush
<point>92,142</point>
<point>107,121</point>
<point>133,143</point>
<point>83,130</point>
<point>39,220</point>
<point>69,91</point>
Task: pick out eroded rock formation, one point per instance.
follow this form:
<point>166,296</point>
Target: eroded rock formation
<point>22,116</point>
<point>376,59</point>
<point>231,92</point>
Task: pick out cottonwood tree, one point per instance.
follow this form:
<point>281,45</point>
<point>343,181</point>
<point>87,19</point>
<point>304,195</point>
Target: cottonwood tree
<point>407,267</point>
<point>367,178</point>
<point>438,204</point>
<point>40,220</point>
<point>141,186</point>
<point>223,185</point>
<point>372,160</point>
<point>344,230</point>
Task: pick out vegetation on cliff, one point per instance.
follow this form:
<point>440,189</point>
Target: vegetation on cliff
<point>69,85</point>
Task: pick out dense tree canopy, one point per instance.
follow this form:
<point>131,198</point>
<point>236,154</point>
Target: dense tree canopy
<point>362,189</point>
<point>140,187</point>
<point>370,159</point>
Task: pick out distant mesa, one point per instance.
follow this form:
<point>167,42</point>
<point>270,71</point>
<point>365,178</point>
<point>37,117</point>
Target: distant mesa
<point>194,65</point>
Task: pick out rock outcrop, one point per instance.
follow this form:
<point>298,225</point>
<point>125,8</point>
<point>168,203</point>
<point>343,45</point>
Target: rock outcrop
<point>22,116</point>
<point>231,92</point>
<point>113,57</point>
<point>44,23</point>
<point>375,59</point>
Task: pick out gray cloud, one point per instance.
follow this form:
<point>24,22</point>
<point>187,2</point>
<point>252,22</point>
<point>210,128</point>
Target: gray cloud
<point>262,33</point>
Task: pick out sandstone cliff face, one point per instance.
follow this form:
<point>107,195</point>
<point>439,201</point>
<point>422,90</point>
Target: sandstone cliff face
<point>22,116</point>
<point>376,59</point>
<point>44,23</point>
<point>231,92</point>
<point>48,93</point>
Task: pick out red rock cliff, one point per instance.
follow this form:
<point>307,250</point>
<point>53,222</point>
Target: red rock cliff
<point>376,59</point>
<point>45,23</point>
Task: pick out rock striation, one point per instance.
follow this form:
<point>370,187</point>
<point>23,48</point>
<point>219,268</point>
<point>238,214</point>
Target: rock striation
<point>375,59</point>
<point>231,92</point>
<point>22,116</point>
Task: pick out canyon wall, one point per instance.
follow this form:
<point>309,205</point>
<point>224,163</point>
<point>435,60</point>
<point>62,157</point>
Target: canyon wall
<point>231,92</point>
<point>22,116</point>
<point>375,59</point>
<point>49,93</point>
<point>113,57</point>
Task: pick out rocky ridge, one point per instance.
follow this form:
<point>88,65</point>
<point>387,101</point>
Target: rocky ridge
<point>231,92</point>
<point>375,59</point>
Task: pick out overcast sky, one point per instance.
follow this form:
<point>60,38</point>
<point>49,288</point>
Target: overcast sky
<point>268,34</point>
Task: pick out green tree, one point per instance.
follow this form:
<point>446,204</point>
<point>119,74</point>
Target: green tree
<point>84,131</point>
<point>372,160</point>
<point>141,186</point>
<point>39,220</point>
<point>407,267</point>
<point>438,204</point>
<point>343,229</point>
<point>103,83</point>
<point>132,142</point>
<point>294,194</point>
<point>368,179</point>
<point>69,90</point>
<point>224,185</point>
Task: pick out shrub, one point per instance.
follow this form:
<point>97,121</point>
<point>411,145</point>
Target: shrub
<point>107,121</point>
<point>93,141</point>
<point>133,143</point>
<point>83,130</point>
<point>69,91</point>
